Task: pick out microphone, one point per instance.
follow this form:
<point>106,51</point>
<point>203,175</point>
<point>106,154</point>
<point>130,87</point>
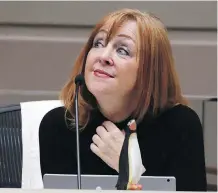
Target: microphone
<point>79,80</point>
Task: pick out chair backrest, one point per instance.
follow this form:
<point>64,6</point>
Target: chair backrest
<point>32,114</point>
<point>19,145</point>
<point>212,186</point>
<point>10,147</point>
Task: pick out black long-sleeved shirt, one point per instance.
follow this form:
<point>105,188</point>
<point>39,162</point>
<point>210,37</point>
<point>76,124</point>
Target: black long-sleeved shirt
<point>171,145</point>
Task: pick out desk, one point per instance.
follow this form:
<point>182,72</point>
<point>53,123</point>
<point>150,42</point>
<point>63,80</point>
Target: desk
<point>76,191</point>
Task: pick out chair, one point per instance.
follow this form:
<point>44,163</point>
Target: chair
<point>10,147</point>
<point>32,115</point>
<point>19,145</point>
<point>212,171</point>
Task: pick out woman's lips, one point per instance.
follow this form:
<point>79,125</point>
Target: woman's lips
<point>102,74</point>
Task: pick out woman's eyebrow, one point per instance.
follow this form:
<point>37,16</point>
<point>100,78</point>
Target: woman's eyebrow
<point>119,35</point>
<point>102,31</point>
<point>126,36</point>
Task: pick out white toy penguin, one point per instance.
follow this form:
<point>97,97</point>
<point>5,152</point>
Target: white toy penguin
<point>130,162</point>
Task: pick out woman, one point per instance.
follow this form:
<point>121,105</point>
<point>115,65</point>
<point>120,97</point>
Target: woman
<point>129,73</point>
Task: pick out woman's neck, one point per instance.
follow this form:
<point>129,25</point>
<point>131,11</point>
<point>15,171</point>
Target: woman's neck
<point>116,110</point>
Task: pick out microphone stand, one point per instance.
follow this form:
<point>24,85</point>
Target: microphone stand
<point>77,137</point>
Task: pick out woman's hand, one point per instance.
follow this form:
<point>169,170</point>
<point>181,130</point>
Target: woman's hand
<point>107,144</point>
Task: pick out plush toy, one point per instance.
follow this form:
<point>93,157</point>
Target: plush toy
<point>130,162</point>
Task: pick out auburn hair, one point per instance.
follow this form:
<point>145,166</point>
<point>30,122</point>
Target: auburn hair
<point>157,82</point>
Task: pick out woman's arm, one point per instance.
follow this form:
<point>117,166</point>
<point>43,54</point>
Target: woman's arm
<point>47,144</point>
<point>56,144</point>
<point>187,163</point>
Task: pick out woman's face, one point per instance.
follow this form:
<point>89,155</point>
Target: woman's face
<point>111,69</point>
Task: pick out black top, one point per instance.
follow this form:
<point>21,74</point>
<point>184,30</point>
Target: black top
<point>171,145</point>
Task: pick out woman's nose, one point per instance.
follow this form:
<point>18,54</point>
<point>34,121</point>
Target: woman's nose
<point>106,59</point>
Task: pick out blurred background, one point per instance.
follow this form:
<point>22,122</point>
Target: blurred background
<point>39,42</point>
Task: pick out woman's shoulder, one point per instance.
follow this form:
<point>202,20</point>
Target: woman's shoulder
<point>180,113</point>
<point>181,118</point>
<point>55,114</point>
<point>53,119</point>
<point>179,125</point>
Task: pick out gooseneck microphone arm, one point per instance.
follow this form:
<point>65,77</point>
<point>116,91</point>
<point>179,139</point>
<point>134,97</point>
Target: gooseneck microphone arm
<point>79,80</point>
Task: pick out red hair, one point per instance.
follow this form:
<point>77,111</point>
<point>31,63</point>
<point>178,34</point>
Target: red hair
<point>157,82</point>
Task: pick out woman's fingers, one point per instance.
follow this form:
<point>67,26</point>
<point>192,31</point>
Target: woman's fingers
<point>97,140</point>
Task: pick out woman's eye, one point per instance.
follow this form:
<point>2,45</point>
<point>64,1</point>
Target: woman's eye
<point>98,44</point>
<point>122,51</point>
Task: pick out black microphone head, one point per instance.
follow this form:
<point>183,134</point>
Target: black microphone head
<point>79,79</point>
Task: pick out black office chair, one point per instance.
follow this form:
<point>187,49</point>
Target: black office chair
<point>10,147</point>
<point>209,170</point>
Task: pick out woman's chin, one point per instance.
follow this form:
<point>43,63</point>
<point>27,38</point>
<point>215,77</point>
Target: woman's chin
<point>99,90</point>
